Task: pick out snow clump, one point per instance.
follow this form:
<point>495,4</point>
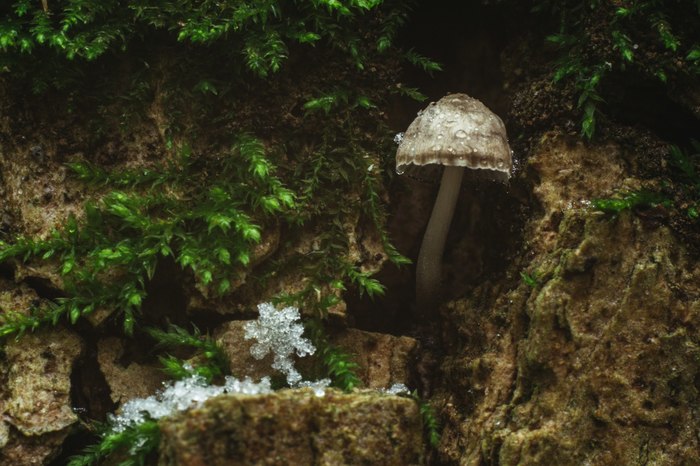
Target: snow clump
<point>181,395</point>
<point>397,389</point>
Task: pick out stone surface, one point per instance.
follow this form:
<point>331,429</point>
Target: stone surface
<point>597,363</point>
<point>230,336</point>
<point>295,427</point>
<point>35,395</point>
<point>38,381</point>
<point>383,360</point>
<point>32,451</point>
<point>126,382</point>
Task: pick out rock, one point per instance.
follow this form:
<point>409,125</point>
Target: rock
<point>383,360</point>
<point>230,337</point>
<point>36,400</point>
<point>596,363</point>
<point>295,427</point>
<point>17,298</point>
<point>32,451</point>
<point>126,382</point>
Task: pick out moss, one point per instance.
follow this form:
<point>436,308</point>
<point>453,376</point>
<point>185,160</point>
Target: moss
<point>598,40</point>
<point>239,150</point>
<point>203,190</point>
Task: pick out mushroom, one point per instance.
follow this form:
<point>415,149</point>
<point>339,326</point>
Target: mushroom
<point>456,132</point>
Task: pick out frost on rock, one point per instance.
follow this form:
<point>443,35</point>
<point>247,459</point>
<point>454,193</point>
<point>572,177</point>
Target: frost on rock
<point>398,389</point>
<point>319,386</point>
<point>278,332</point>
<point>181,395</point>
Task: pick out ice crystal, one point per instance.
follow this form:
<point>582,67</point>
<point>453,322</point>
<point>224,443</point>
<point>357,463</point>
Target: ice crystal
<point>398,138</point>
<point>397,389</point>
<point>319,386</point>
<point>278,332</point>
<point>181,395</point>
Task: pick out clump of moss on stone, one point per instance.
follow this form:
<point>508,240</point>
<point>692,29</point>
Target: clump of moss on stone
<point>600,39</point>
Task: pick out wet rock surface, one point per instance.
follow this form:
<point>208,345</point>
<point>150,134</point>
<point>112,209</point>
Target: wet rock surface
<point>383,360</point>
<point>36,404</point>
<point>595,362</point>
<point>296,427</point>
<point>126,381</point>
<point>593,359</point>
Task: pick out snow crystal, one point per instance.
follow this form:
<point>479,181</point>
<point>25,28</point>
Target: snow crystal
<point>181,395</point>
<point>319,386</point>
<point>398,138</point>
<point>398,389</point>
<point>278,332</point>
<point>247,386</point>
<point>275,331</point>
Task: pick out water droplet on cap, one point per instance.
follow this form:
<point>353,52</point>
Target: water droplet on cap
<point>478,118</point>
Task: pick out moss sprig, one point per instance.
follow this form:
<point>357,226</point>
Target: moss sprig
<point>431,425</point>
<point>133,445</point>
<point>212,362</point>
<point>681,191</point>
<point>630,200</point>
<point>338,364</point>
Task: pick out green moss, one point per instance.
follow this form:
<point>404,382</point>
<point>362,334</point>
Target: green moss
<point>599,37</point>
<point>680,193</point>
<point>133,445</point>
<point>261,32</point>
<point>530,279</point>
<point>627,201</point>
<point>208,225</point>
<point>257,139</point>
<point>211,362</point>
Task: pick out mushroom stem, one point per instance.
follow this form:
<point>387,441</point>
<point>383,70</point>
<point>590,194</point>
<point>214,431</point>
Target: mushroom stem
<point>429,267</point>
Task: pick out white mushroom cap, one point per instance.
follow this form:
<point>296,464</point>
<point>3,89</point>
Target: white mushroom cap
<point>460,131</point>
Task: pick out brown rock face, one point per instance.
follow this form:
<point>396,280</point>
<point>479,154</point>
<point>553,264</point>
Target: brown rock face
<point>597,363</point>
<point>231,338</point>
<point>295,427</point>
<point>383,360</point>
<point>134,380</point>
<point>36,396</point>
